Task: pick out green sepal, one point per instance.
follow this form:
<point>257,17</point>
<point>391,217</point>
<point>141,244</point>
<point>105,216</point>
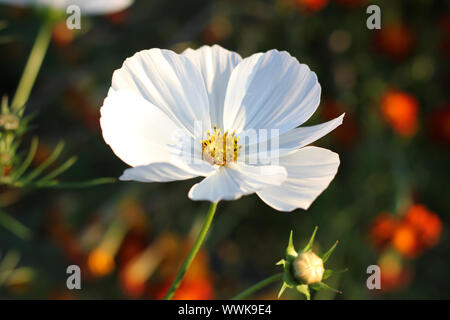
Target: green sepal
<point>283,287</point>
<point>290,250</point>
<point>304,289</point>
<point>282,262</point>
<point>328,273</point>
<point>309,246</point>
<point>321,285</point>
<point>291,254</point>
<point>327,254</point>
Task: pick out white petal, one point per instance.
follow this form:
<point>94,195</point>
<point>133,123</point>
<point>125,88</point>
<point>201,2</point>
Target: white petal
<point>267,147</point>
<point>215,64</point>
<point>310,170</point>
<point>164,172</point>
<point>169,81</point>
<point>234,181</point>
<point>302,136</point>
<point>138,132</point>
<point>270,90</point>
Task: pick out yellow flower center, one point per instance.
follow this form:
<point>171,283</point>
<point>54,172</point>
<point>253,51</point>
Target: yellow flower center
<point>220,148</point>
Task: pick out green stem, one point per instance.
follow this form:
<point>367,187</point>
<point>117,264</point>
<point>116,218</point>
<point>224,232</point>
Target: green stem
<point>258,286</point>
<point>190,257</point>
<point>32,68</point>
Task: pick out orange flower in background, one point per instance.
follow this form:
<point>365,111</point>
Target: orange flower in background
<point>427,225</point>
<point>312,5</point>
<point>191,289</point>
<point>400,110</point>
<point>395,41</point>
<point>383,229</point>
<point>147,269</point>
<point>100,262</point>
<point>61,35</point>
<point>405,240</point>
<point>439,124</point>
<point>200,289</point>
<point>394,274</point>
<point>416,231</point>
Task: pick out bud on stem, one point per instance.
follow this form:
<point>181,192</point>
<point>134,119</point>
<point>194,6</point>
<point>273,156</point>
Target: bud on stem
<point>308,267</point>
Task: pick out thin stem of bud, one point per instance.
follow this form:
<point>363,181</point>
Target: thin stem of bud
<point>258,286</point>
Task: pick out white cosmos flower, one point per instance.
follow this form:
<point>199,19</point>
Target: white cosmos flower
<point>86,6</point>
<point>158,92</point>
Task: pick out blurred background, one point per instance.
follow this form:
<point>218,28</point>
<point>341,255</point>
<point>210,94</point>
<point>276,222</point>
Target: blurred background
<point>389,204</point>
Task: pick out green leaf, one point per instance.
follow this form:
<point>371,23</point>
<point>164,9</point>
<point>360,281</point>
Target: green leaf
<point>81,184</point>
<point>52,158</point>
<point>308,247</point>
<point>26,163</point>
<point>24,122</point>
<point>61,169</point>
<point>327,254</point>
<point>304,289</point>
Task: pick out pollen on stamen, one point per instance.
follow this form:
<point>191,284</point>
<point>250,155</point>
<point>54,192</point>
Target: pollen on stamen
<point>220,149</point>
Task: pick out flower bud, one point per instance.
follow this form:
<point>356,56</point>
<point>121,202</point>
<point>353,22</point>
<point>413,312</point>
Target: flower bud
<point>308,267</point>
